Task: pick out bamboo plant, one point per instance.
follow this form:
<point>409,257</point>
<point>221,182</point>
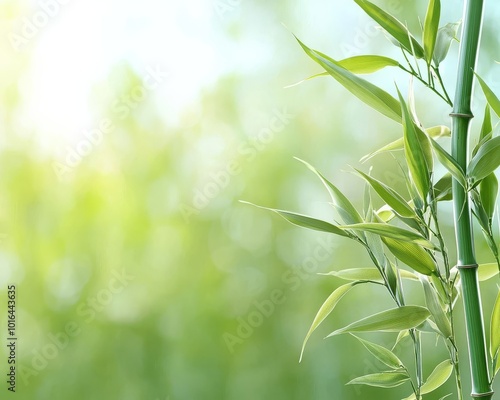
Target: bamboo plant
<point>406,230</point>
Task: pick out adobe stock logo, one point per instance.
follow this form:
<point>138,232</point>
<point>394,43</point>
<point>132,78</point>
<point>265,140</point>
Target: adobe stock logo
<point>247,151</point>
<point>31,27</point>
<point>222,7</point>
<point>122,107</point>
<point>89,309</point>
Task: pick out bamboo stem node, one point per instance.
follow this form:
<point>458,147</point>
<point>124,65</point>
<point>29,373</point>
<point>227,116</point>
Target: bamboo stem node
<point>476,396</point>
<point>470,266</point>
<point>462,115</point>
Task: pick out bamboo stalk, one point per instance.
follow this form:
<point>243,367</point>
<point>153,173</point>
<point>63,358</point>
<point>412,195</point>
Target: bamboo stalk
<point>461,117</point>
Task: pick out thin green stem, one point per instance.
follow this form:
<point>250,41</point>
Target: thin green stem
<point>456,365</point>
<point>426,84</point>
<point>441,83</point>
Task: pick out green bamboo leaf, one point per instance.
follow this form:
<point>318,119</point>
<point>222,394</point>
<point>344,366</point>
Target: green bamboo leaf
<point>431,26</point>
<point>434,306</point>
<point>367,274</point>
<point>393,320</point>
<point>367,202</point>
<point>421,135</point>
<point>385,213</point>
<point>347,212</point>
<point>480,143</point>
<point>325,310</point>
<point>412,255</point>
<point>428,327</point>
<point>394,27</point>
<point>415,152</point>
<point>308,79</point>
<point>434,132</point>
<point>390,231</point>
<point>305,221</point>
<point>445,36</point>
<point>401,336</point>
<point>387,379</point>
<point>367,64</point>
<point>488,191</point>
<point>485,161</point>
<point>376,246</point>
<point>491,97</point>
<point>487,271</point>
<point>495,328</point>
<point>390,196</point>
<point>449,163</point>
<point>357,65</point>
<point>436,379</point>
<point>443,188</point>
<point>392,278</point>
<point>480,212</point>
<point>382,354</point>
<point>487,126</point>
<point>439,288</point>
<point>439,131</point>
<point>367,92</point>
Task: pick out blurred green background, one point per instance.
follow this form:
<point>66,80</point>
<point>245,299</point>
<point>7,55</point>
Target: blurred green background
<point>130,130</point>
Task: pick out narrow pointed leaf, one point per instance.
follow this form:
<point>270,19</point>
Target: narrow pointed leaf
<point>367,92</point>
<point>412,255</point>
<point>488,191</point>
<point>491,97</point>
<point>421,135</point>
<point>382,354</point>
<point>390,231</point>
<point>445,36</point>
<point>435,132</point>
<point>434,306</point>
<point>394,27</point>
<point>479,212</point>
<point>377,248</point>
<point>443,188</point>
<point>390,196</point>
<point>394,320</point>
<point>495,328</point>
<point>415,153</point>
<point>308,79</point>
<point>357,65</point>
<point>305,221</point>
<point>325,310</point>
<point>485,161</point>
<point>367,202</point>
<point>367,64</point>
<point>449,163</point>
<point>348,213</point>
<point>387,379</point>
<point>436,379</point>
<point>487,271</point>
<point>431,26</point>
<point>480,143</point>
<point>486,127</point>
<point>367,274</point>
<point>439,131</point>
<point>401,336</point>
<point>392,279</point>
